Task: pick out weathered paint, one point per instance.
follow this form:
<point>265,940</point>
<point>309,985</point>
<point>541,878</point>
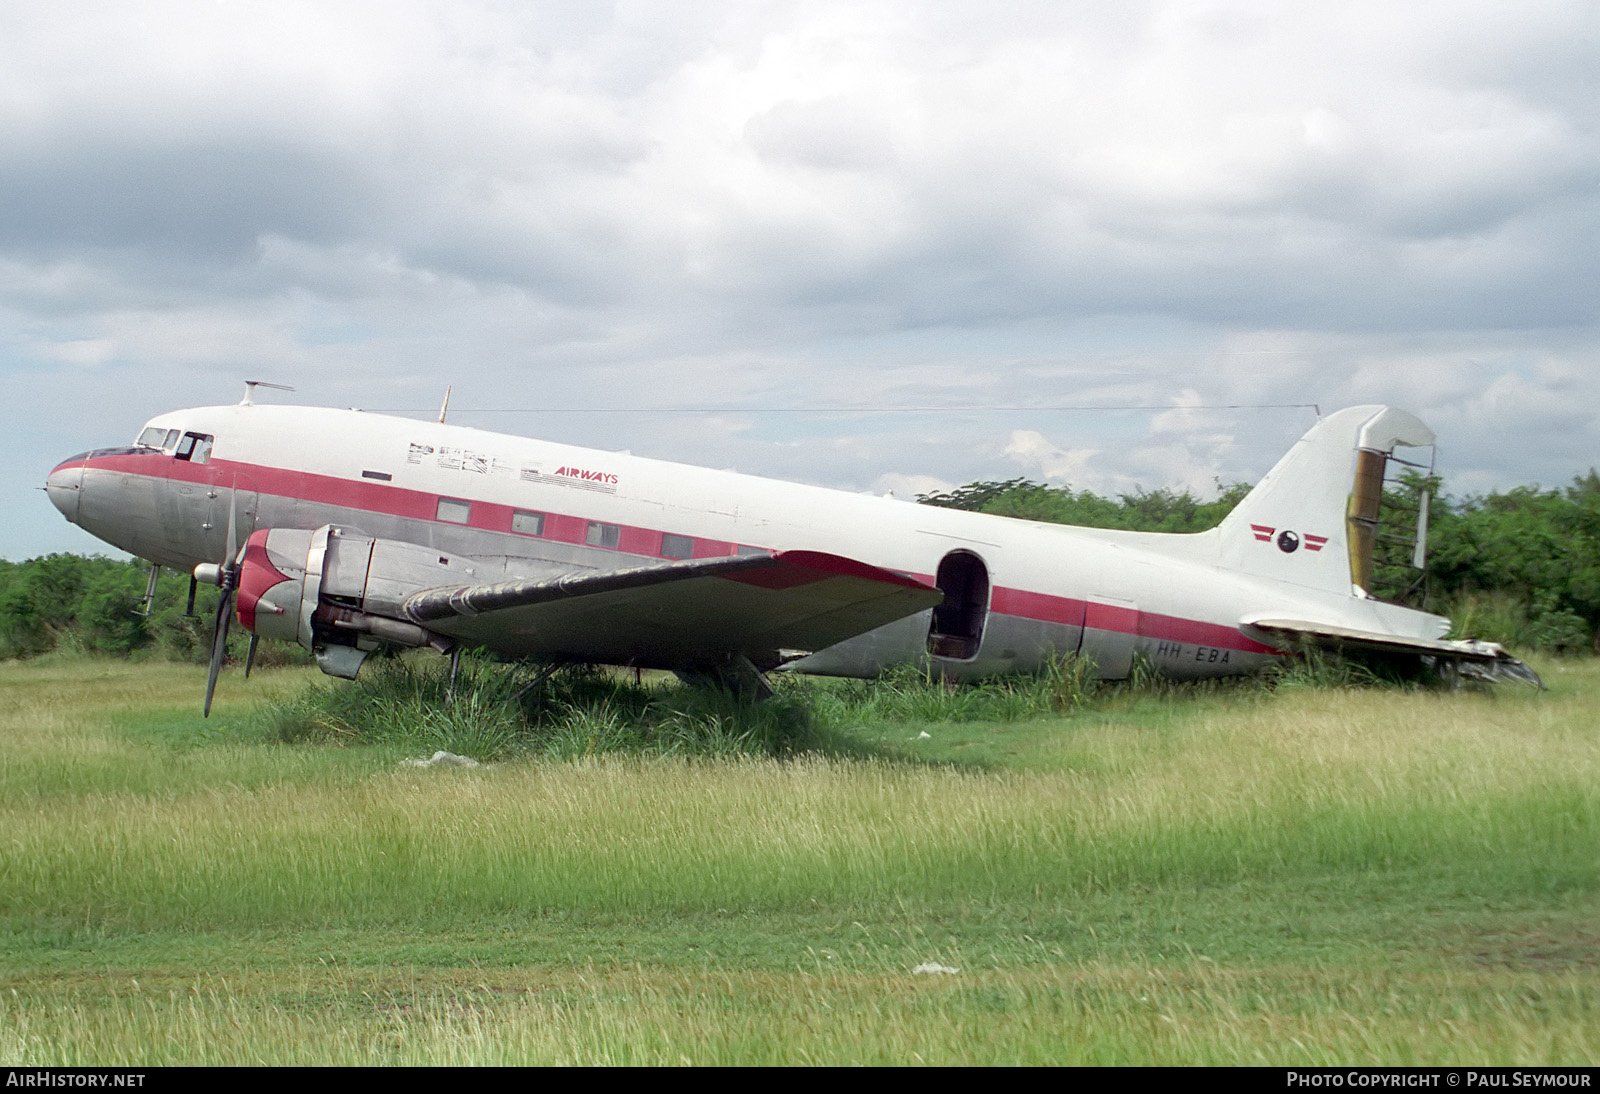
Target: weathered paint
<point>1052,589</point>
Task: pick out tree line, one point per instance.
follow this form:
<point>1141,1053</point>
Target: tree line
<point>1520,567</point>
<point>96,605</point>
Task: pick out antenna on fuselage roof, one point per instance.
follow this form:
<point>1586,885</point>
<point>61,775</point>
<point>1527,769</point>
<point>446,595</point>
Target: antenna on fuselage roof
<point>444,408</point>
<point>250,390</point>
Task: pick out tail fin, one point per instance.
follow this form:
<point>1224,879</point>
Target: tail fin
<point>1313,519</point>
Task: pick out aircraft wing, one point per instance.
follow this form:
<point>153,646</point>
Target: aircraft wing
<point>1470,657</point>
<point>768,607</point>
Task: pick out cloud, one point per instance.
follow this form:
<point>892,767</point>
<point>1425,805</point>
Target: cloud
<point>1222,210</point>
<point>1057,466</point>
<point>854,163</point>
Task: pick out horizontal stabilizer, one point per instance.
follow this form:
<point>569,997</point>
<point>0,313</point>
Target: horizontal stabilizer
<point>767,607</point>
<point>1470,657</point>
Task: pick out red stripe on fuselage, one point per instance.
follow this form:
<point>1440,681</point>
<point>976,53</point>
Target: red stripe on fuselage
<point>1172,628</point>
<point>1071,612</point>
<point>400,501</point>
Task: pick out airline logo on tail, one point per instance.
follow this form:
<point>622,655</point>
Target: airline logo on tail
<point>1288,542</point>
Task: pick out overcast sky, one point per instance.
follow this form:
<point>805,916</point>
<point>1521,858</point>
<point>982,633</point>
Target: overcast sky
<point>718,232</point>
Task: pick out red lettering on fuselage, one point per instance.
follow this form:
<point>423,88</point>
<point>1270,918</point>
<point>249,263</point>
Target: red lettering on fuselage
<point>586,475</point>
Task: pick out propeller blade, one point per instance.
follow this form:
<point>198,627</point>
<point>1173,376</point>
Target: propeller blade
<point>229,580</point>
<point>219,643</point>
<point>250,658</point>
<point>230,557</point>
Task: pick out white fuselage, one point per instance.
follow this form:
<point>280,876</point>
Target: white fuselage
<point>531,509</point>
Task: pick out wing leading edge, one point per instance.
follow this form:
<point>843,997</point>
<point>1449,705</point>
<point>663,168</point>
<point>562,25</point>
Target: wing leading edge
<point>1468,657</point>
<point>768,608</point>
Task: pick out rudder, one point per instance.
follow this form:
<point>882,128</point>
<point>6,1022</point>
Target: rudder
<point>1313,519</point>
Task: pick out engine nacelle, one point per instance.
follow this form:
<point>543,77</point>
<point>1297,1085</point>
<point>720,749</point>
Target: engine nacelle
<point>339,593</point>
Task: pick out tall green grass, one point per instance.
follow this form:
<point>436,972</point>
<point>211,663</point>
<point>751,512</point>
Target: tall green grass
<point>1322,781</point>
<point>915,693</point>
<point>1306,875</point>
<point>497,712</point>
<point>500,712</point>
<point>829,1010</point>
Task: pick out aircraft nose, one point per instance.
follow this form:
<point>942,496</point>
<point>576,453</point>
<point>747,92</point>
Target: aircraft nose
<point>65,487</point>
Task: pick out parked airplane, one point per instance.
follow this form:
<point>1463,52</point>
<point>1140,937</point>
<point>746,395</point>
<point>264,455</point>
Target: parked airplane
<point>346,531</point>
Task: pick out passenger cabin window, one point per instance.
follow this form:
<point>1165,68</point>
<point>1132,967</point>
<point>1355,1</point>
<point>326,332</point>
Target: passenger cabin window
<point>676,546</point>
<point>454,511</point>
<point>529,524</point>
<point>603,535</point>
<point>194,447</point>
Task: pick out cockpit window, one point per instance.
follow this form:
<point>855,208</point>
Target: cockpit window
<point>164,439</point>
<point>195,447</point>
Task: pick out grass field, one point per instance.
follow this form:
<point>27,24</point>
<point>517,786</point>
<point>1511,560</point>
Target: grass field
<point>1306,876</point>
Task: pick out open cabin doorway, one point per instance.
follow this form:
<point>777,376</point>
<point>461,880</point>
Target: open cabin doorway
<point>956,631</point>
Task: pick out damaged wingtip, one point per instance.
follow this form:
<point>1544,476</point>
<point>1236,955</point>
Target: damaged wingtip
<point>1488,662</point>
